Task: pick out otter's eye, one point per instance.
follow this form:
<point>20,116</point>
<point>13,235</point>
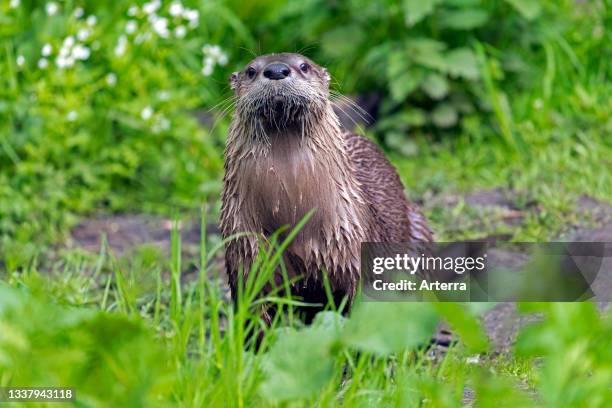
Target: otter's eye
<point>251,72</point>
<point>304,67</point>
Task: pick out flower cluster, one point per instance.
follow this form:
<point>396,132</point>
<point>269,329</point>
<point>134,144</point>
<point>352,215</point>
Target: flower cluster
<point>72,49</point>
<point>146,21</point>
<point>70,52</point>
<point>158,122</point>
<point>213,55</point>
<point>175,20</point>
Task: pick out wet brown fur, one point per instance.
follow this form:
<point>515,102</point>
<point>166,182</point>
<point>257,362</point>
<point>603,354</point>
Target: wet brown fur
<point>285,155</point>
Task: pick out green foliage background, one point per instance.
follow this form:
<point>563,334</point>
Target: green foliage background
<point>473,94</point>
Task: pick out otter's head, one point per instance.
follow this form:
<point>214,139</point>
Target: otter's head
<point>280,91</point>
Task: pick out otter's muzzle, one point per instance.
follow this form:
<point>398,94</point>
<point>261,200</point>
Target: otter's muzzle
<point>276,71</point>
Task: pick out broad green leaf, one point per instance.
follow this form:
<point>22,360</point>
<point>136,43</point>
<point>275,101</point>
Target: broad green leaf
<point>529,9</point>
<point>465,324</point>
<point>387,327</point>
<point>465,19</point>
<point>565,324</point>
<point>413,117</point>
<point>299,364</point>
<point>417,10</point>
<point>402,77</point>
<point>435,85</point>
<point>403,120</point>
<point>444,116</point>
<point>489,388</point>
<point>401,143</point>
<point>329,321</point>
<point>8,297</point>
<point>93,351</point>
<point>342,41</point>
<point>404,84</point>
<point>427,52</point>
<point>462,62</point>
<point>397,64</point>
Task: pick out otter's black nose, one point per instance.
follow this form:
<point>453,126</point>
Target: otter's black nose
<point>276,71</point>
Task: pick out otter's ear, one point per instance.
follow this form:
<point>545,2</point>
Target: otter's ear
<point>233,80</point>
<point>326,76</point>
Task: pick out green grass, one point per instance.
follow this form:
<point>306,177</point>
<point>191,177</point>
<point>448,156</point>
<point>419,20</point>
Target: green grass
<point>135,336</point>
<point>154,329</point>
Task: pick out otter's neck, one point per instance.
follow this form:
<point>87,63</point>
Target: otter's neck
<point>282,178</point>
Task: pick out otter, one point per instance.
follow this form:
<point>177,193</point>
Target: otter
<point>287,154</point>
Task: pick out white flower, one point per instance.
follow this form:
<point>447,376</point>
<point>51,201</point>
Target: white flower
<point>180,31</point>
<point>140,38</point>
<point>538,104</point>
<point>146,113</point>
<point>20,60</point>
<point>69,41</point>
<point>91,20</point>
<point>151,7</point>
<point>64,61</point>
<point>207,69</point>
<point>72,116</point>
<point>121,46</point>
<point>64,51</point>
<point>43,63</point>
<point>51,8</point>
<point>61,62</point>
<point>46,50</point>
<point>80,52</point>
<point>160,26</point>
<point>79,12</point>
<point>160,124</point>
<point>83,34</point>
<point>176,9</point>
<point>222,60</point>
<point>191,14</point>
<point>213,54</point>
<point>193,17</point>
<point>131,26</point>
<point>111,79</point>
<point>163,95</point>
<point>14,3</point>
<point>132,11</point>
<point>164,123</point>
<point>213,51</point>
